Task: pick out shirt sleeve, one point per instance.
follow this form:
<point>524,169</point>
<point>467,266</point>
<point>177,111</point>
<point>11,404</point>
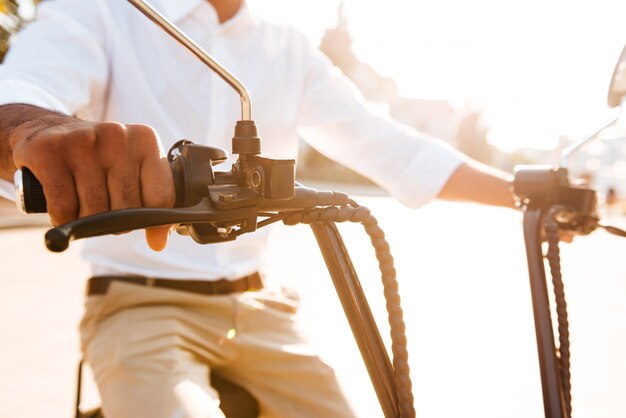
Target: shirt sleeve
<point>58,62</point>
<point>336,121</point>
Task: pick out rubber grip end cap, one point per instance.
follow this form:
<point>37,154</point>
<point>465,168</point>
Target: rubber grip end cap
<point>57,240</point>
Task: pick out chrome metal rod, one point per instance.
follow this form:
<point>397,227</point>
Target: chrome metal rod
<point>205,57</point>
<point>568,151</point>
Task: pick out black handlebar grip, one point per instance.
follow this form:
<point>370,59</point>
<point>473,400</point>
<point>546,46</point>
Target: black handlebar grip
<point>33,198</point>
<point>191,167</point>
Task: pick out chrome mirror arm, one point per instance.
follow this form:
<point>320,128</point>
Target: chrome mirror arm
<point>571,149</point>
<point>149,11</point>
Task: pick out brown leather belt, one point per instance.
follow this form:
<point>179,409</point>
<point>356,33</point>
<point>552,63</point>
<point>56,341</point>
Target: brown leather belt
<point>99,285</point>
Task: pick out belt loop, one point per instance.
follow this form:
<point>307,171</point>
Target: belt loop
<point>150,281</point>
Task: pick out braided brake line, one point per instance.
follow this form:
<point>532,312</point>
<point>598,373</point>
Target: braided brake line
<point>554,260</point>
<point>362,215</point>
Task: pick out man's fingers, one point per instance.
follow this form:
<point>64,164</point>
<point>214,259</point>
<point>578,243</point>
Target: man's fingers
<point>155,179</point>
<point>157,237</point>
<point>157,190</point>
<point>566,237</point>
<point>61,197</point>
<point>122,166</point>
<point>124,190</point>
<point>92,192</point>
<point>157,184</point>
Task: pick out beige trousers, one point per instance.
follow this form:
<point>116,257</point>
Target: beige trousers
<point>151,351</point>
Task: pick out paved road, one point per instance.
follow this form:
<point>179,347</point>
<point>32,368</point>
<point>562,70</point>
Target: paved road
<point>463,279</point>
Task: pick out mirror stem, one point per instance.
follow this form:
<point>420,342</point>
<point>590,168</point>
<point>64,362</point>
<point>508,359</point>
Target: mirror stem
<point>571,149</point>
<point>150,12</point>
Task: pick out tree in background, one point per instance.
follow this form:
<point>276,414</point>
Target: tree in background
<point>11,21</point>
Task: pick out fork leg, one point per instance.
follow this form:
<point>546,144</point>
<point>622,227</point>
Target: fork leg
<point>553,400</point>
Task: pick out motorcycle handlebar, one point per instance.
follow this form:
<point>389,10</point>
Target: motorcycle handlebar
<point>207,203</point>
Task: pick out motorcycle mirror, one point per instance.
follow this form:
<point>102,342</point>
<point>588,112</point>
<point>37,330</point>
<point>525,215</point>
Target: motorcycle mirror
<point>617,87</point>
<point>617,93</point>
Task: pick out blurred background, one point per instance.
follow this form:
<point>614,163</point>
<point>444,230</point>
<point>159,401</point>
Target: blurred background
<point>505,83</point>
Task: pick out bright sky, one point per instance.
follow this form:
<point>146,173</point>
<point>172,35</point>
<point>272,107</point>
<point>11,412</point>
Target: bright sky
<point>538,68</point>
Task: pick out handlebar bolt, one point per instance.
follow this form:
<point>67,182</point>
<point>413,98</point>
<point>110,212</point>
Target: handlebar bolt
<point>224,232</point>
<point>226,196</point>
<point>256,178</point>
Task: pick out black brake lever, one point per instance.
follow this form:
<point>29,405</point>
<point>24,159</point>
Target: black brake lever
<point>592,222</point>
<point>58,239</point>
<point>613,230</point>
<point>240,209</point>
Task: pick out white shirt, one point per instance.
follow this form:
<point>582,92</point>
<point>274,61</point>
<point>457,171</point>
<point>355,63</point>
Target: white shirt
<point>103,60</point>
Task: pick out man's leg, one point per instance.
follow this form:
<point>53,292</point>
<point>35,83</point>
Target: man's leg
<point>151,350</point>
<point>278,366</point>
<point>150,358</point>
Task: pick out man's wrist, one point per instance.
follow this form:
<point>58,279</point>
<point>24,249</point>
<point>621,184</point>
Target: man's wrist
<point>478,183</point>
<point>19,122</point>
<point>23,121</point>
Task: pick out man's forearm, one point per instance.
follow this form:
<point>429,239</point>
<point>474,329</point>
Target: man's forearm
<point>476,182</point>
<point>15,116</point>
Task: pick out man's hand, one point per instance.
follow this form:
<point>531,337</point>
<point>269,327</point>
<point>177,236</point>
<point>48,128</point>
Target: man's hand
<point>88,167</point>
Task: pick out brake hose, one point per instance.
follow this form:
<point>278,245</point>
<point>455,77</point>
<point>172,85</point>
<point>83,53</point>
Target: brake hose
<point>554,260</point>
<point>362,215</point>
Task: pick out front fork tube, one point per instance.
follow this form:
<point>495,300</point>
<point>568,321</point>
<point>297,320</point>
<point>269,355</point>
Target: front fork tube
<point>370,342</point>
<point>359,316</point>
<point>553,397</point>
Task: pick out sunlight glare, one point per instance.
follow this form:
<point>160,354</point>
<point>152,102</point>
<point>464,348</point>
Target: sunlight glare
<point>538,69</point>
